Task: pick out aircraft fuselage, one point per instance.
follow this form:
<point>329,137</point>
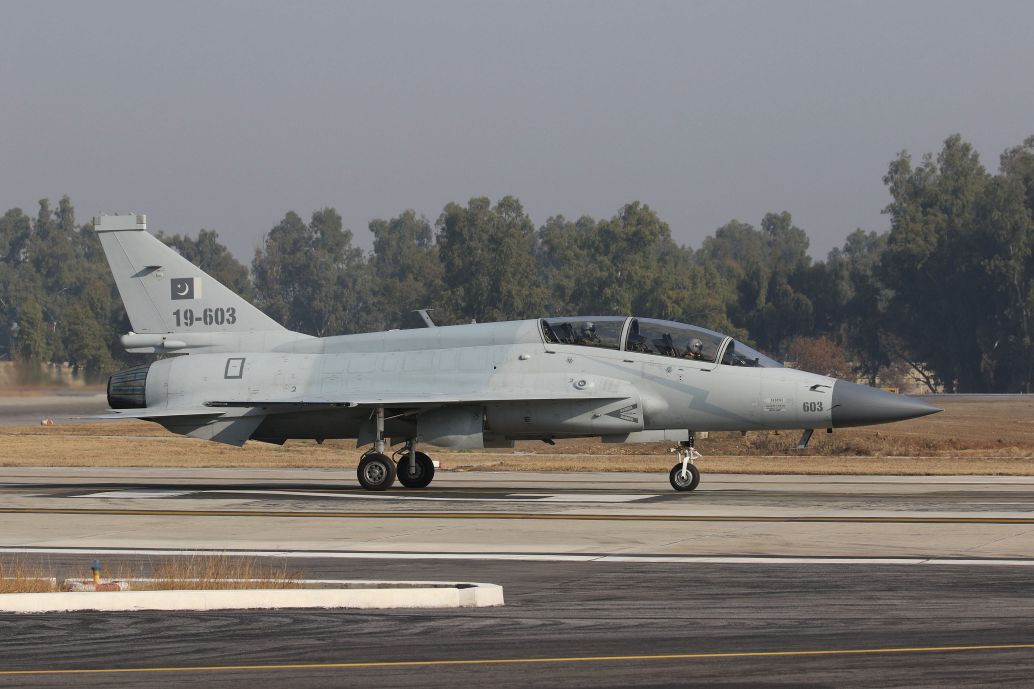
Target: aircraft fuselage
<point>528,388</point>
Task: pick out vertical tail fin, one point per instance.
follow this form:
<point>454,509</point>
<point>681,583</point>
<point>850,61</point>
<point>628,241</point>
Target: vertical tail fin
<point>164,292</point>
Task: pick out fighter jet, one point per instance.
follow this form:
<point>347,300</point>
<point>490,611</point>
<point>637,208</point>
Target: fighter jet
<point>237,375</point>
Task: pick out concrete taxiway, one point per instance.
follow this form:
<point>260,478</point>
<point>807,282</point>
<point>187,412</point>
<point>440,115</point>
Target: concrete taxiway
<point>610,579</point>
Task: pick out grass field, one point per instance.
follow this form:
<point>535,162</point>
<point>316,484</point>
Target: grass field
<point>198,572</point>
<point>977,436</point>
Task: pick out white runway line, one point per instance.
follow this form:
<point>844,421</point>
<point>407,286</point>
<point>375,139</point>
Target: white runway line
<point>536,557</point>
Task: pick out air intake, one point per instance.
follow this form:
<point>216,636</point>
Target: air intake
<point>127,388</point>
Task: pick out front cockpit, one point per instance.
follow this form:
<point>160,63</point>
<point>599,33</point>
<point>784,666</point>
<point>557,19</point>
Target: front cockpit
<point>653,336</point>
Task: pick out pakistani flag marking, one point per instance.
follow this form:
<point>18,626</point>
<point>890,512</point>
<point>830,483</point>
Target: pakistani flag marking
<point>186,288</point>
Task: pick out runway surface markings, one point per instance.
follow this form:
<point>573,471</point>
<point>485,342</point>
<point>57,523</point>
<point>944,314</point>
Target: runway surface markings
<point>528,497</point>
<point>515,515</point>
<point>147,493</point>
<point>531,661</point>
<point>531,557</point>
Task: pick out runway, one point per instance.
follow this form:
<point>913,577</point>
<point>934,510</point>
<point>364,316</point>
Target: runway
<point>610,580</point>
<point>521,513</point>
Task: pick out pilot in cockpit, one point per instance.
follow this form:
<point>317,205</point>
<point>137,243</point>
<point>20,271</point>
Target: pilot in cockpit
<point>588,333</point>
<point>694,350</point>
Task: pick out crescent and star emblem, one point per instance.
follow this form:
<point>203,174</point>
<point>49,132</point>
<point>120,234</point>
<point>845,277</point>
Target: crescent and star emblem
<point>186,288</point>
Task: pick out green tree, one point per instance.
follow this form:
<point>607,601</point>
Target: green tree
<point>628,265</point>
<point>15,233</point>
<point>770,270</point>
<point>405,273</point>
<point>931,264</point>
<point>488,261</point>
<point>31,342</point>
<point>310,278</point>
<point>87,343</point>
<point>212,256</point>
<point>16,277</point>
<point>632,266</point>
<point>855,312</point>
<point>1005,235</point>
<point>563,255</point>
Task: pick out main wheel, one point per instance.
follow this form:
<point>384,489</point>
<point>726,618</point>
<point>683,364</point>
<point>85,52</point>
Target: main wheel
<point>423,475</point>
<point>376,472</point>
<point>678,482</point>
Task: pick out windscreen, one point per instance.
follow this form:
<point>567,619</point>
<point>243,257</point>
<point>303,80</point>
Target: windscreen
<point>678,340</point>
<point>587,331</point>
<point>739,354</point>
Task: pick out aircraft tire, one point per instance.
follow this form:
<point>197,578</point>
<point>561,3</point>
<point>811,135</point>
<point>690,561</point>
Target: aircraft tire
<point>376,472</point>
<point>678,483</point>
<point>424,471</point>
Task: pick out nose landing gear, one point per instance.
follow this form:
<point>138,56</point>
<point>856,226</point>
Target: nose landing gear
<point>684,476</point>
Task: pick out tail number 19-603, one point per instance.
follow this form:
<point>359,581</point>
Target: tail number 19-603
<point>188,318</point>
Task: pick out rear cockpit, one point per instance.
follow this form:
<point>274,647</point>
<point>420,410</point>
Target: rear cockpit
<point>655,337</point>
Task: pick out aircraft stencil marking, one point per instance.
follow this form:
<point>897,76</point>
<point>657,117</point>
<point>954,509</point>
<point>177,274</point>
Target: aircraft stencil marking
<point>234,368</point>
<point>626,413</point>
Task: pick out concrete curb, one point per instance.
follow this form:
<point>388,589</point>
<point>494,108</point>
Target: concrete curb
<point>330,594</point>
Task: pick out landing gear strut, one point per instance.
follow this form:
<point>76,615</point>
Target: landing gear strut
<point>684,476</point>
<point>376,470</point>
<point>415,469</point>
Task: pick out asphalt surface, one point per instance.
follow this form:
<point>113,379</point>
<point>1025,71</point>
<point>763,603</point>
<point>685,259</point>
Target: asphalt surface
<point>578,616</point>
<point>874,626</point>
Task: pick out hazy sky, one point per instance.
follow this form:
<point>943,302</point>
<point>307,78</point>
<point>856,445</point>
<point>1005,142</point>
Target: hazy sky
<point>225,115</point>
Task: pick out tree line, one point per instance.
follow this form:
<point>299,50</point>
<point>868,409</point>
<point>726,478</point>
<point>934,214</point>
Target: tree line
<point>946,294</point>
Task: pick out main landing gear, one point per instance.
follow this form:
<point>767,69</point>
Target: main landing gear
<point>413,469</point>
<point>377,471</point>
<point>684,476</point>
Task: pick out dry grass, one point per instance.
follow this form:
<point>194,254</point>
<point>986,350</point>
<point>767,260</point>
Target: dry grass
<point>972,436</point>
<point>780,464</point>
<point>198,572</point>
<point>19,576</point>
<point>214,572</point>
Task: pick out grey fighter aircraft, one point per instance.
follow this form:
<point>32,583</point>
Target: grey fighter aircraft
<point>625,379</point>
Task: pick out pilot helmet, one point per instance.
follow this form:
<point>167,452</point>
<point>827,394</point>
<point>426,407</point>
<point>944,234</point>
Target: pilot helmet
<point>696,346</point>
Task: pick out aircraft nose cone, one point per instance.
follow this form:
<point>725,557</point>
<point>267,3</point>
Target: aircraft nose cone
<point>860,405</point>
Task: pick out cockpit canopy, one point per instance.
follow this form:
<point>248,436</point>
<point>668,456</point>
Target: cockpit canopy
<point>653,336</point>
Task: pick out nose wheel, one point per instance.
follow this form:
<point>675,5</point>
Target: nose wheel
<point>684,476</point>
